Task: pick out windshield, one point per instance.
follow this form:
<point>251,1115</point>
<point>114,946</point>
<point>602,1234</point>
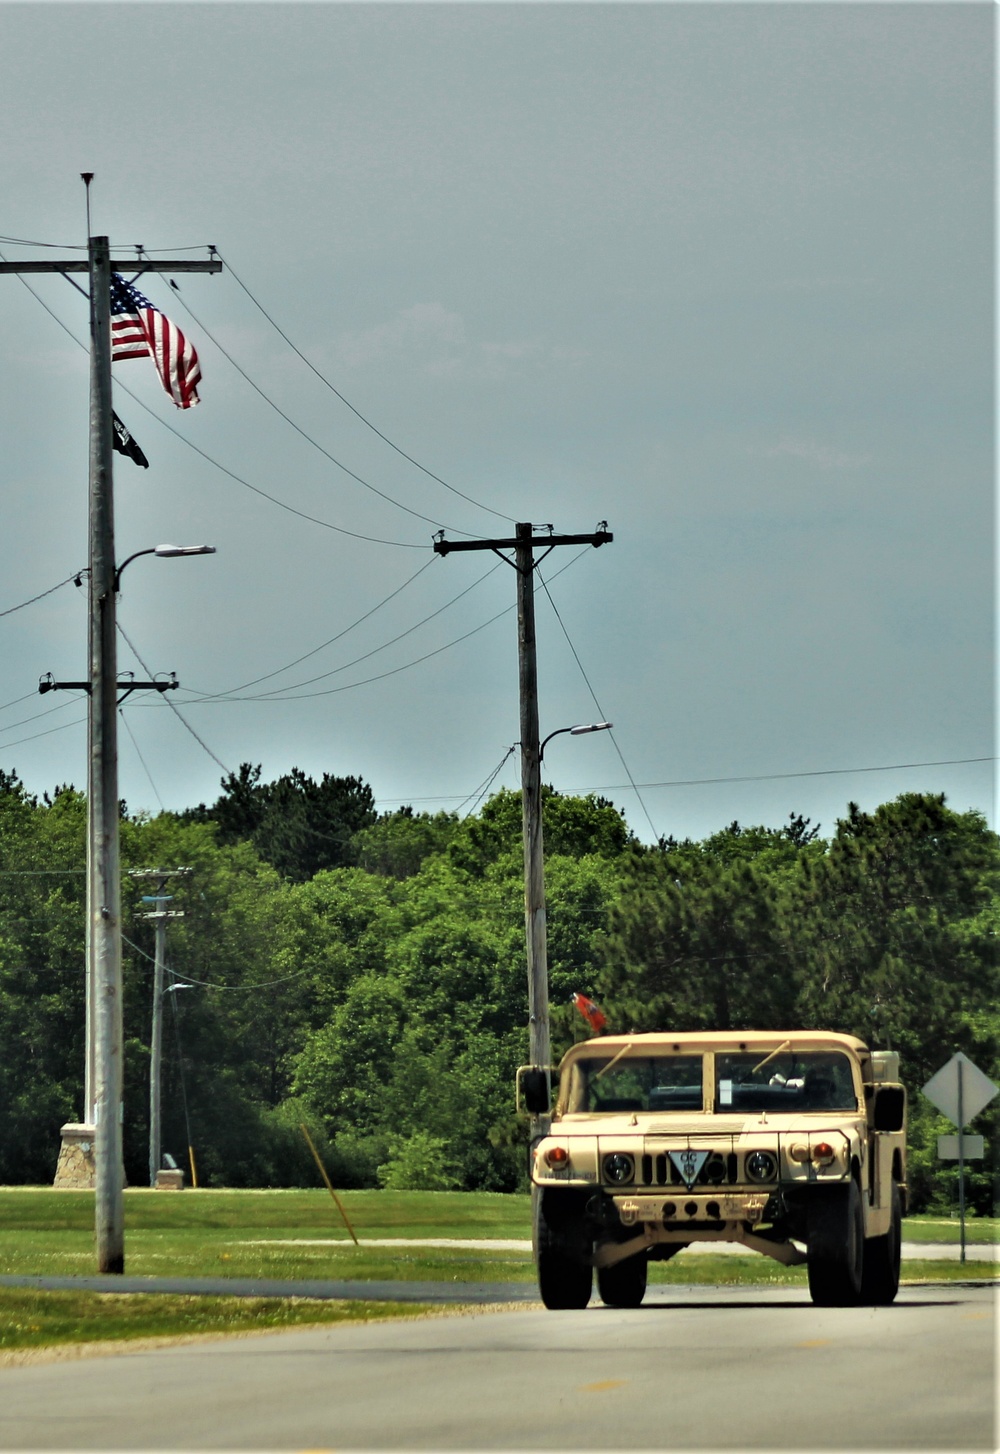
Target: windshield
<point>786,1080</point>
<point>631,1082</point>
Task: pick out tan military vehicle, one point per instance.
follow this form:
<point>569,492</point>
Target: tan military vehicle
<point>790,1143</point>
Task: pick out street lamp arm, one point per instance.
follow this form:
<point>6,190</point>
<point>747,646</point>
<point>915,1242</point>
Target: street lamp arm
<point>162,550</point>
<point>577,731</point>
<point>128,561</point>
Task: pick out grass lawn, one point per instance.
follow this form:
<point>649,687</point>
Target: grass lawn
<point>926,1228</point>
<point>254,1234</point>
<point>31,1319</point>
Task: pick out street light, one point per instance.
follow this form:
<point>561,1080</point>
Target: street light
<point>579,731</point>
<point>164,550</point>
<point>539,1044</point>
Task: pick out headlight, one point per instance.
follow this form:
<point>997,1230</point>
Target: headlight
<point>619,1167</point>
<point>761,1166</point>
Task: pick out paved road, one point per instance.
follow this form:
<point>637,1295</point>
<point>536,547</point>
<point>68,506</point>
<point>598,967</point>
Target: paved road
<point>694,1369</point>
<point>380,1292</point>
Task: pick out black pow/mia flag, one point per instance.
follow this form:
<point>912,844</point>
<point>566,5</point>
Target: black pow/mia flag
<point>125,444</point>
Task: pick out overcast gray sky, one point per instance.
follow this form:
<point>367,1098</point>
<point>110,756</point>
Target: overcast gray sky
<point>719,274</point>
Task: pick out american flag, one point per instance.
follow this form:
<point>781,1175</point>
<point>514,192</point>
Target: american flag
<point>138,329</point>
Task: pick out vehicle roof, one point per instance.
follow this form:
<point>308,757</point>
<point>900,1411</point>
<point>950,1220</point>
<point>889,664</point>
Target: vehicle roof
<point>725,1040</point>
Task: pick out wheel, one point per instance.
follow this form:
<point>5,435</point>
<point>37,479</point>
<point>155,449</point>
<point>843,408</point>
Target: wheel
<point>562,1251</point>
<point>624,1284</point>
<point>835,1246</point>
<point>880,1275</point>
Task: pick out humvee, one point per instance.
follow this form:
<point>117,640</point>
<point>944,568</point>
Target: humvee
<point>789,1143</point>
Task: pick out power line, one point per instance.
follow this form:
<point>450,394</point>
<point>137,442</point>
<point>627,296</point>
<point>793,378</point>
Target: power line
<point>126,724</point>
<point>333,691</point>
<point>367,422</point>
<point>701,781</point>
<point>181,978</point>
<point>273,697</point>
<point>47,733</point>
<point>339,636</point>
<point>70,246</point>
<point>299,430</point>
<point>621,755</point>
<point>477,794</point>
<point>375,650</point>
<point>766,777</point>
<point>42,594</point>
<point>16,701</point>
<point>183,720</point>
<point>61,707</point>
<point>282,505</point>
<point>37,872</point>
<point>255,489</point>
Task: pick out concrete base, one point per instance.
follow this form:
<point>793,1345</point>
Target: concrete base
<point>169,1181</point>
<point>75,1167</point>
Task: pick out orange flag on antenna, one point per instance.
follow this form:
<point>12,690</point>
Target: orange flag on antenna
<point>593,1014</point>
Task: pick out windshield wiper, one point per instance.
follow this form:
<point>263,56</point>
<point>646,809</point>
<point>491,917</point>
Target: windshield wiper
<point>613,1061</point>
<point>785,1045</point>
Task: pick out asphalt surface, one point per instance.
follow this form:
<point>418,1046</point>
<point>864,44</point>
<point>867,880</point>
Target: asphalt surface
<point>747,1369</point>
<point>394,1292</point>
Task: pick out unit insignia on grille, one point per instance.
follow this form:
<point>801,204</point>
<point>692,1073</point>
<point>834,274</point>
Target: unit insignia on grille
<point>689,1164</point>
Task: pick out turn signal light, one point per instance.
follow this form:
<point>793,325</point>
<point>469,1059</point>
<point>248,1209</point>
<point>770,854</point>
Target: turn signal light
<point>823,1153</point>
<point>557,1156</point>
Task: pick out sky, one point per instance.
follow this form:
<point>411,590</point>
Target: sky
<point>718,274</point>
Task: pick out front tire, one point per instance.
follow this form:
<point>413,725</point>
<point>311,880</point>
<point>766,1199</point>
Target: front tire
<point>880,1276</point>
<point>836,1247</point>
<point>624,1284</point>
<point>562,1250</point>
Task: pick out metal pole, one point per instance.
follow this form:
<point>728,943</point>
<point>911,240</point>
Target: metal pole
<point>961,1162</point>
<point>156,1047</point>
<point>104,888</point>
<point>539,1050</point>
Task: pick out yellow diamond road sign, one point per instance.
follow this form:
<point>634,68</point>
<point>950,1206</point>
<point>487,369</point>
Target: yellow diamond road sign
<point>943,1089</point>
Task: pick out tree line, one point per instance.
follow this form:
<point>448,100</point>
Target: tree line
<point>364,973</point>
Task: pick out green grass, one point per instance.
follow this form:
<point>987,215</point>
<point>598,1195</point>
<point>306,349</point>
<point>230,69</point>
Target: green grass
<point>293,1213</point>
<point>756,1271</point>
<point>252,1234</point>
<point>927,1228</point>
<point>31,1319</point>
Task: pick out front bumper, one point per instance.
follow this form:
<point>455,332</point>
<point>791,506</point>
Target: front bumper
<point>684,1209</point>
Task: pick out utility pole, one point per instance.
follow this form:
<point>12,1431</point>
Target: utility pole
<point>524,545</point>
<point>104,963</point>
<point>159,916</point>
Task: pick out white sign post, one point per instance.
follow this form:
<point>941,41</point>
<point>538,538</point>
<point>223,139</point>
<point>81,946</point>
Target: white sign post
<point>960,1090</point>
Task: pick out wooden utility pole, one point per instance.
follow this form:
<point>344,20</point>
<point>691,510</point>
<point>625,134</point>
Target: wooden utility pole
<point>523,545</point>
<point>159,916</point>
<point>104,963</point>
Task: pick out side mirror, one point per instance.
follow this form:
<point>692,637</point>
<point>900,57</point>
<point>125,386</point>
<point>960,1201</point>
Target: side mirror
<point>533,1090</point>
<point>890,1108</point>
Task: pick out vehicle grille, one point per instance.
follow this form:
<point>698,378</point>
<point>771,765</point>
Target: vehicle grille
<point>658,1170</point>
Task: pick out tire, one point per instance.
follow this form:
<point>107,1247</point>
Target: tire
<point>562,1250</point>
<point>880,1276</point>
<point>624,1284</point>
<point>835,1247</point>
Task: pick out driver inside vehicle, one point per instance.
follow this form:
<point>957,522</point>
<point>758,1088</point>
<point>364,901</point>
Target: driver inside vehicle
<point>820,1090</point>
